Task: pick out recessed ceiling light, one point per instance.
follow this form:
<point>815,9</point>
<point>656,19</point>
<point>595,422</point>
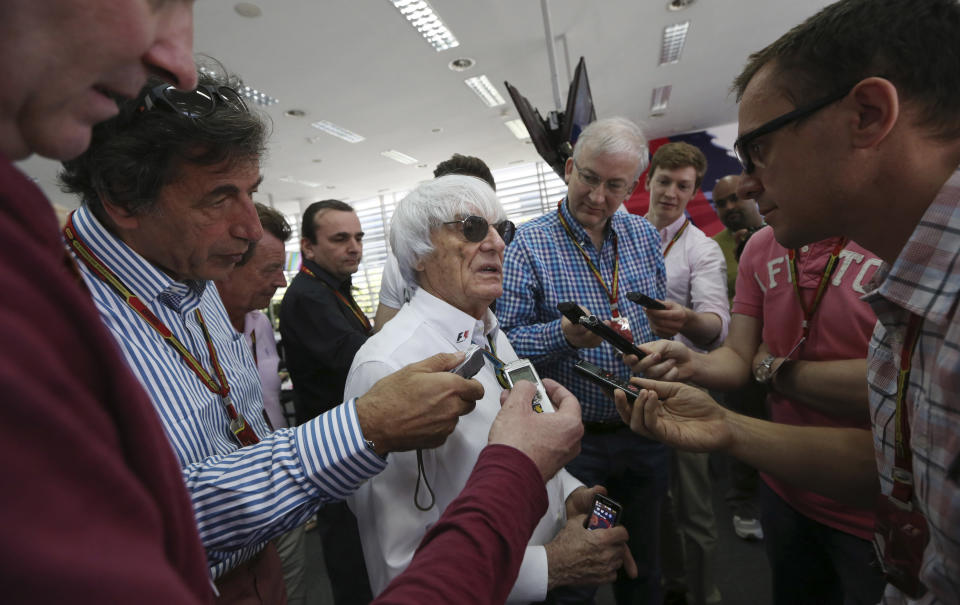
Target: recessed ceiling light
<point>316,160</point>
<point>338,131</point>
<point>436,130</point>
<point>461,64</point>
<point>484,88</point>
<point>674,37</point>
<point>295,113</point>
<point>518,129</point>
<point>396,156</point>
<point>421,165</point>
<point>678,5</point>
<point>247,9</point>
<point>660,99</point>
<point>421,16</point>
<point>331,186</point>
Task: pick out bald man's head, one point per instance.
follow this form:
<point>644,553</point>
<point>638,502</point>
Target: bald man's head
<point>734,213</point>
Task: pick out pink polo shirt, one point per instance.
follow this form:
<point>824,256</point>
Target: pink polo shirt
<point>840,329</point>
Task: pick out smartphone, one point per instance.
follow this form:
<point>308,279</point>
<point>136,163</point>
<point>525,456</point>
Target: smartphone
<point>604,513</point>
<point>645,301</point>
<point>574,313</point>
<point>472,363</point>
<point>607,379</point>
<point>522,369</point>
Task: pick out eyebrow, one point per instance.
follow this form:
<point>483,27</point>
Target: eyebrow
<point>231,189</point>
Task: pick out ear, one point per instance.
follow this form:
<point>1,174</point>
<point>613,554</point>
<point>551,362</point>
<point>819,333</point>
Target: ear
<point>120,216</point>
<point>306,249</point>
<point>567,169</point>
<point>646,183</point>
<point>878,107</point>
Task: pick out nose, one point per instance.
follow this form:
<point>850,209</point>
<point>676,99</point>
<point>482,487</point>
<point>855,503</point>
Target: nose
<point>749,187</point>
<point>246,223</point>
<point>493,241</point>
<point>279,280</point>
<point>171,55</point>
<point>598,194</point>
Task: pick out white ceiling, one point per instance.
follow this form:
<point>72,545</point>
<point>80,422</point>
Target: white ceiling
<point>358,64</point>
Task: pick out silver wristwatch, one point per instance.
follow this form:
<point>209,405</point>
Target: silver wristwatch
<point>764,371</point>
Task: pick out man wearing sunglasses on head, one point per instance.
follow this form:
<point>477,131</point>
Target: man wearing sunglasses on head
<point>586,252</point>
<point>865,96</point>
<point>167,205</point>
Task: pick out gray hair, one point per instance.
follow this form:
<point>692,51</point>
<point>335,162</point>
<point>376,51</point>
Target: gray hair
<point>613,135</point>
<point>431,204</point>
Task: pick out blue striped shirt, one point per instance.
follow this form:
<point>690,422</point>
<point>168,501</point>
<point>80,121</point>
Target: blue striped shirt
<point>241,497</point>
<point>542,267</point>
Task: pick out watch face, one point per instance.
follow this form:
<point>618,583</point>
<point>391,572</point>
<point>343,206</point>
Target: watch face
<point>764,369</point>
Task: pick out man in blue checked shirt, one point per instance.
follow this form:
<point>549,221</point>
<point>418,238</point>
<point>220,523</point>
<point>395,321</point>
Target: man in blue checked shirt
<point>167,190</point>
<point>588,253</point>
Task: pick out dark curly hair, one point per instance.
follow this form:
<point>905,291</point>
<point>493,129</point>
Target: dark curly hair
<point>468,165</point>
<point>135,154</point>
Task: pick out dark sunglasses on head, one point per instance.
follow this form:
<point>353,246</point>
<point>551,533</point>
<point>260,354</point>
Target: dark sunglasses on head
<point>197,103</point>
<point>475,228</point>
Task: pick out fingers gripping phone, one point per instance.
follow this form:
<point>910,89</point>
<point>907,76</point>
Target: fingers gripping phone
<point>522,369</point>
<point>607,379</point>
<point>471,364</point>
<point>575,314</point>
<point>604,514</point>
<point>645,301</point>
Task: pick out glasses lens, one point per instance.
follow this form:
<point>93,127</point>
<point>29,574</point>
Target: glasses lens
<point>506,229</point>
<point>475,228</point>
<point>232,98</point>
<point>743,156</point>
<point>193,104</point>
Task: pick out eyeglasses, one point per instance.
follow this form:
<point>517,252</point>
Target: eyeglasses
<point>197,103</point>
<point>593,181</point>
<point>475,228</point>
<point>750,154</point>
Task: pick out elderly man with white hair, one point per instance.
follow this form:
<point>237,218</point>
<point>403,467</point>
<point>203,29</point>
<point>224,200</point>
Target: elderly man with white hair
<point>449,237</point>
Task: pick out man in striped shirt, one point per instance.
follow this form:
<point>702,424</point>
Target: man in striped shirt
<point>167,188</point>
<point>865,96</point>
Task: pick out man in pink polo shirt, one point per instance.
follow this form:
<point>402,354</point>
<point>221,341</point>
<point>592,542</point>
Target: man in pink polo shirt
<point>807,343</point>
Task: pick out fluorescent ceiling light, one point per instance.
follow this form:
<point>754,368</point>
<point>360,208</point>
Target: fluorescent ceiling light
<point>674,37</point>
<point>395,155</point>
<point>338,131</point>
<point>421,16</point>
<point>290,179</point>
<point>485,89</point>
<point>660,99</point>
<point>518,129</point>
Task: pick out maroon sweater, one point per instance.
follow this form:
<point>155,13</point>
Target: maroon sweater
<point>92,501</point>
<point>472,555</point>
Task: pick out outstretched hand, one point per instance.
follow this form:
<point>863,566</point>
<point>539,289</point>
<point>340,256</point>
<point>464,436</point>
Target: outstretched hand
<point>676,414</point>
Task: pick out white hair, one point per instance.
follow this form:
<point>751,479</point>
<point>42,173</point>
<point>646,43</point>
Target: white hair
<point>426,208</point>
<point>613,135</point>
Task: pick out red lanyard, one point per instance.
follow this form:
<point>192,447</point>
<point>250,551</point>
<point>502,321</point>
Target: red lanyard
<point>357,311</point>
<point>219,386</point>
<point>613,292</point>
<point>821,286</point>
<point>903,459</point>
<point>676,237</point>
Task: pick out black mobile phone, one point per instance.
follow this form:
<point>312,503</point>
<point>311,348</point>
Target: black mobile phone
<point>604,513</point>
<point>471,364</point>
<point>645,301</point>
<point>571,311</point>
<point>574,313</point>
<point>607,379</point>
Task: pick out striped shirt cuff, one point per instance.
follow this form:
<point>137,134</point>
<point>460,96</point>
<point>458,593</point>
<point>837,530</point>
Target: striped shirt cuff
<point>335,456</point>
